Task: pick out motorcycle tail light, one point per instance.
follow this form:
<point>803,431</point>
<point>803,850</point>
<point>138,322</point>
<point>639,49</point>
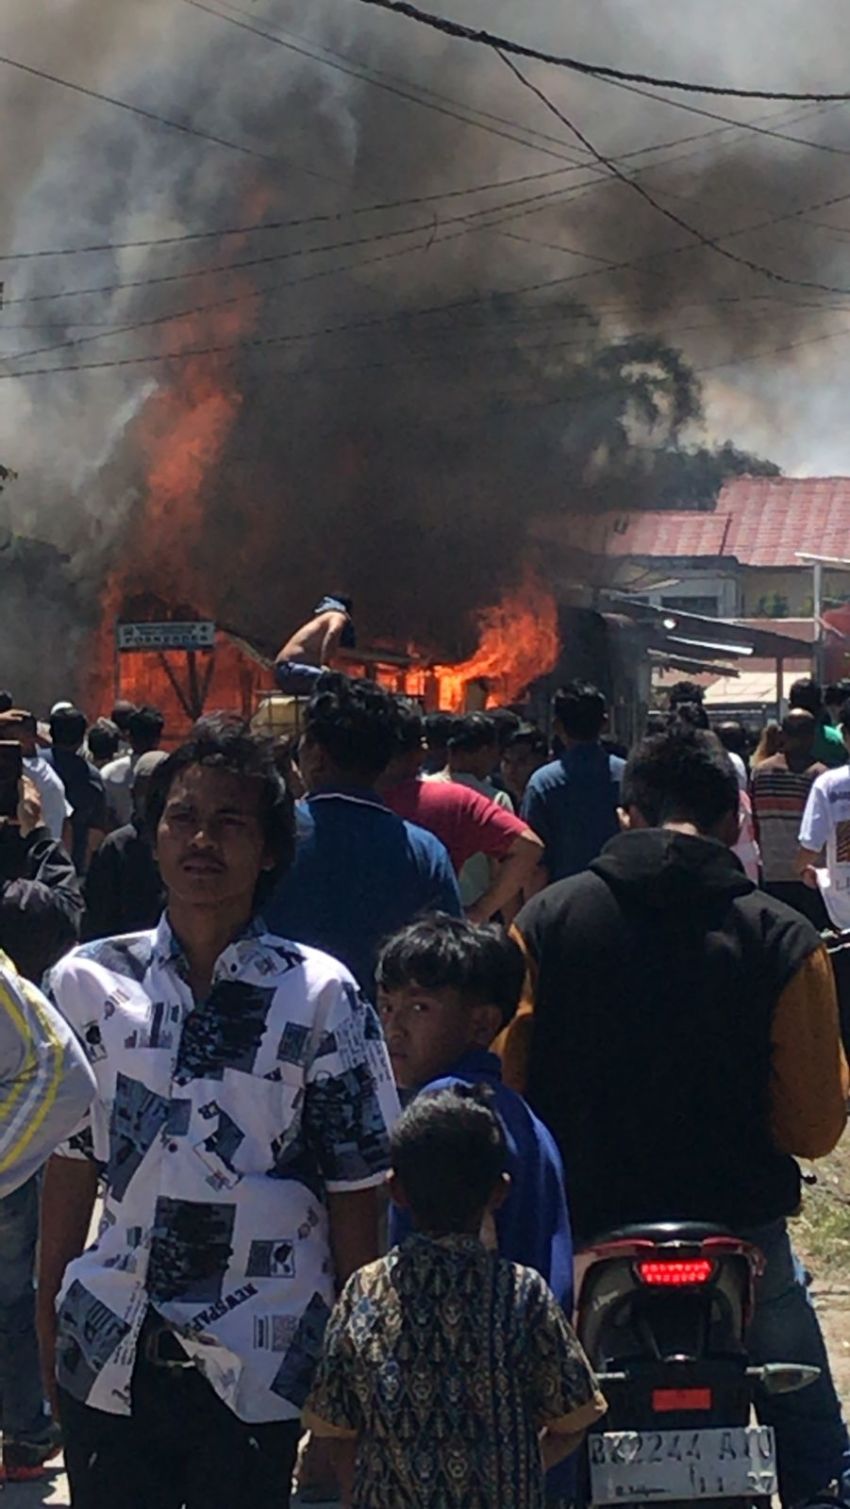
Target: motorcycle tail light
<point>672,1400</point>
<point>675,1272</point>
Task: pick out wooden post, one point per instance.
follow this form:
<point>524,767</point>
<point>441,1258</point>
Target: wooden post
<point>194,687</point>
<point>780,687</point>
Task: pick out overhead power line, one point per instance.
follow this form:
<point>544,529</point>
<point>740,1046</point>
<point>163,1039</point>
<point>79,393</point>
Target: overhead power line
<point>265,341</point>
<point>300,221</point>
<point>509,130</point>
<point>588,343</point>
<point>527,203</point>
<point>695,139</point>
<point>709,242</point>
<point>431,226</point>
<point>729,120</point>
<point>491,39</point>
<point>432,239</point>
<point>363,71</point>
<point>642,265</point>
<point>406,88</point>
<point>161,120</point>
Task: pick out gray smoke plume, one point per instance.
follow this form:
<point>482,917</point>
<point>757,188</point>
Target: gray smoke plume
<point>394,411</point>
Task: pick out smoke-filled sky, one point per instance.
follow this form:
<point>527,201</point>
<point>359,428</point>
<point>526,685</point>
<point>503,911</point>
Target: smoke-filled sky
<point>399,456</point>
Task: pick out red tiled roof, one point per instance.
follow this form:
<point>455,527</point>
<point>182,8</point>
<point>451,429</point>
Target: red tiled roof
<point>759,521</point>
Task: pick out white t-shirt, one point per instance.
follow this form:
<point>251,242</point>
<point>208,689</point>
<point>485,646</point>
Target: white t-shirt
<point>117,779</point>
<point>740,769</point>
<point>55,807</point>
<point>826,825</point>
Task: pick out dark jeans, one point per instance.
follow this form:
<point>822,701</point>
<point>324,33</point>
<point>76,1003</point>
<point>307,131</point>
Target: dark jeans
<point>22,1412</point>
<point>181,1448</point>
<point>811,1437</point>
<point>295,679</point>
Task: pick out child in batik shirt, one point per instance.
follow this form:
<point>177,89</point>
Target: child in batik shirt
<point>450,1377</point>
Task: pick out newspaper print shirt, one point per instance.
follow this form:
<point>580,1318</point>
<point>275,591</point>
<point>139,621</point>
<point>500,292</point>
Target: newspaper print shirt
<point>220,1127</point>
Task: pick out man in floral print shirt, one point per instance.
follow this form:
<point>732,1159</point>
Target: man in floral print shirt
<point>244,1104</point>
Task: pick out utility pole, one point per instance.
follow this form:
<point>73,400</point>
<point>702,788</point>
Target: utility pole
<point>817,563</point>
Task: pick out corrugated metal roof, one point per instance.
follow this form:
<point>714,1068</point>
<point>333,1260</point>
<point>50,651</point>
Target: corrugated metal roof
<point>666,534</point>
<point>758,521</point>
<point>772,518</point>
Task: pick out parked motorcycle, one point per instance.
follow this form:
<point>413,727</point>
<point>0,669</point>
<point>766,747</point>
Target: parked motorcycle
<point>662,1313</point>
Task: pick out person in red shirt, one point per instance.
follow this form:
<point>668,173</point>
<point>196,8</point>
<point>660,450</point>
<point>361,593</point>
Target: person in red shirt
<point>464,820</point>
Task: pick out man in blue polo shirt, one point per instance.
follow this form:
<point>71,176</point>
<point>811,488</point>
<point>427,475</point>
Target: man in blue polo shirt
<point>360,872</point>
<point>571,804</point>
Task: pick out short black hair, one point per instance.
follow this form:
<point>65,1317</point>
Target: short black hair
<point>438,729</point>
<point>506,721</point>
<point>733,736</point>
<point>104,739</point>
<point>799,725</point>
<point>410,728</point>
<point>683,775</point>
<point>473,732</point>
<point>531,736</point>
<point>20,719</point>
<point>6,702</point>
<point>438,952</point>
<point>844,717</point>
<point>338,597</point>
<point>355,722</point>
<point>449,1151</point>
<point>68,728</point>
<point>121,714</point>
<point>807,694</point>
<point>221,741</point>
<point>144,727</point>
<point>837,692</point>
<point>580,709</point>
<point>685,691</point>
<point>689,715</point>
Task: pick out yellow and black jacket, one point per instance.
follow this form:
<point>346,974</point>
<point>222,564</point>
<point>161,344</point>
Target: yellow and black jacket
<point>680,1037</point>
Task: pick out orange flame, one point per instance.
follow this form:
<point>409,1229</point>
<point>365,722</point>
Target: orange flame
<point>519,642</point>
<point>182,432</point>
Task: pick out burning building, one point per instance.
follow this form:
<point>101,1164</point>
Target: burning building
<point>158,659</point>
<point>340,309</point>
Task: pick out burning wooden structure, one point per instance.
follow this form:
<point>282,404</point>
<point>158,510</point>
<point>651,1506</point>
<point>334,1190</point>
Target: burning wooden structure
<point>528,645</point>
<point>519,640</point>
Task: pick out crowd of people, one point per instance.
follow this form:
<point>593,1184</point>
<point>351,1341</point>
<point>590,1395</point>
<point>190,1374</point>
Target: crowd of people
<point>363,1040</point>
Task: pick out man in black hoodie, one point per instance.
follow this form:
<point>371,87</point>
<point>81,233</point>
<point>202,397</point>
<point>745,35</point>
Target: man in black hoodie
<point>684,1049</point>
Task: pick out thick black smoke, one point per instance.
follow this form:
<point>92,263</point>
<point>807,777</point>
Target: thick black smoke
<point>412,402</point>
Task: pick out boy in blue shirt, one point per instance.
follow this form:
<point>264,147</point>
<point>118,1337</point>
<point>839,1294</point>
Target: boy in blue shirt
<point>446,988</point>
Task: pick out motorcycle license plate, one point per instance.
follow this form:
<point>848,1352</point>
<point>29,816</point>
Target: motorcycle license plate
<point>652,1466</point>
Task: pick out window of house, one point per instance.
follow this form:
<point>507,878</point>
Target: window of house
<point>707,606</point>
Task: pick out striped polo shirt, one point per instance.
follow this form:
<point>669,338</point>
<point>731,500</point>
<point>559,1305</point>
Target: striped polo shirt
<point>779,801</point>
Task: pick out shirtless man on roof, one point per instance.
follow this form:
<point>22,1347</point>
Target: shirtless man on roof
<point>312,648</point>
